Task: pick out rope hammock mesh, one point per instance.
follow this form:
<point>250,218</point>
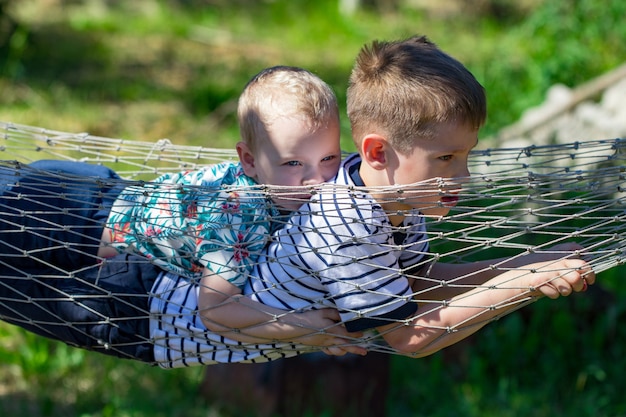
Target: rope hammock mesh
<point>518,201</point>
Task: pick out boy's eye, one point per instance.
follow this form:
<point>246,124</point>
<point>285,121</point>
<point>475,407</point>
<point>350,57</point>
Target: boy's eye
<point>293,163</point>
<point>445,157</point>
<point>329,158</point>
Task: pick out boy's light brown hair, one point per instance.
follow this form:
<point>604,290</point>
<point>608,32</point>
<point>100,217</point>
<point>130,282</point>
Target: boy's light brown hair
<point>284,91</point>
<point>404,89</point>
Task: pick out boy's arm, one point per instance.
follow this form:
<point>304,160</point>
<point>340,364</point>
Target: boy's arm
<point>439,325</point>
<point>461,277</point>
<point>225,311</point>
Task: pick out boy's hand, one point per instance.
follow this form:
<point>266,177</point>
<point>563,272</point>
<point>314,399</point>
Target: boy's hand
<point>334,340</point>
<point>560,278</point>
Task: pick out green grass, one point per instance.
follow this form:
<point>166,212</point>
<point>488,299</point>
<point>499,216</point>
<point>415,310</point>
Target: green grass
<point>39,377</point>
<point>149,69</point>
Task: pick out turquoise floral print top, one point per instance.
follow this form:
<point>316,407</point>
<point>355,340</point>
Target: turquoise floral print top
<point>215,217</point>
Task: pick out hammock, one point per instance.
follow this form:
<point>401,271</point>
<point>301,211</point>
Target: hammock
<point>519,200</point>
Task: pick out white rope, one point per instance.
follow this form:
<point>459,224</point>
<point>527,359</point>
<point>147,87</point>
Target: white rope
<point>518,201</point>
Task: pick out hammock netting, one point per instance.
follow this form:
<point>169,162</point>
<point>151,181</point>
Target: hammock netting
<point>518,201</point>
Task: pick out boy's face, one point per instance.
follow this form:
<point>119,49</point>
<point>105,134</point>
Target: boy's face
<point>439,164</point>
<point>293,155</point>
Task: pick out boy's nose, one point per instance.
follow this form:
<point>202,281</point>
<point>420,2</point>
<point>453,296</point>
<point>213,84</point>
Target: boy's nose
<point>313,176</point>
<point>463,172</point>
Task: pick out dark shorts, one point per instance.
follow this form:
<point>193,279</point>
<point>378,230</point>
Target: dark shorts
<point>103,308</point>
<point>52,213</point>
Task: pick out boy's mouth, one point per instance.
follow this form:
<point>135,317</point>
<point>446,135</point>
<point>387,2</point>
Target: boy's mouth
<point>450,200</point>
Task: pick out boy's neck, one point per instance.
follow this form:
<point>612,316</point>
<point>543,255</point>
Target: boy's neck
<point>360,178</point>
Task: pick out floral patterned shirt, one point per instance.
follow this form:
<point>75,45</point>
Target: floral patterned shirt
<point>215,217</point>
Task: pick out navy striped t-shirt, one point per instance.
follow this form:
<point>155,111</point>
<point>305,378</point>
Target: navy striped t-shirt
<point>340,250</point>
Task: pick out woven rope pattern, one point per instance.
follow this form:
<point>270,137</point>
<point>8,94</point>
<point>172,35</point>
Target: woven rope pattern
<point>518,201</point>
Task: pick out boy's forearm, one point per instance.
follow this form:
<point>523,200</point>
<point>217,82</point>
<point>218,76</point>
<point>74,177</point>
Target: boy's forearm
<point>225,311</point>
<point>440,281</point>
<point>242,319</point>
<point>439,325</point>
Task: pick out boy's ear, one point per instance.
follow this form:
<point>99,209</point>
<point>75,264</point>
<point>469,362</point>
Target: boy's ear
<point>246,158</point>
<point>374,151</point>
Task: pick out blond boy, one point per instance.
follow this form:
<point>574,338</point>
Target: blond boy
<point>206,227</point>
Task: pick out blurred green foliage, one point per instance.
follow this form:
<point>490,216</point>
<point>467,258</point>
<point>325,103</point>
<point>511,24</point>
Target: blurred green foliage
<point>149,69</point>
<point>154,68</point>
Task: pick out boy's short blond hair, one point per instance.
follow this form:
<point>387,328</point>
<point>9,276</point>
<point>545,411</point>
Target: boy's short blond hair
<point>404,89</point>
<point>284,91</point>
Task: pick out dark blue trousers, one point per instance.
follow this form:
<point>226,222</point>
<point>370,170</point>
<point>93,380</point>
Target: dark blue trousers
<point>52,213</point>
<point>103,308</point>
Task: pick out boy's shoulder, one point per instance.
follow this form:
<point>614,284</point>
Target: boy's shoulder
<point>342,203</point>
<point>217,177</point>
<point>225,173</point>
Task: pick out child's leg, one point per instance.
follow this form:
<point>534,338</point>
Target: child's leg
<point>103,308</point>
<point>53,213</point>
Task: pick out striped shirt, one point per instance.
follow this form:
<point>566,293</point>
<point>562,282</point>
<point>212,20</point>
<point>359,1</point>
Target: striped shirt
<point>180,339</point>
<point>340,250</point>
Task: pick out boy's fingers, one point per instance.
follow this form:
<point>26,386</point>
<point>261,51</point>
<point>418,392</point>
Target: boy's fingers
<point>585,277</point>
<point>576,280</point>
<point>334,351</point>
<point>331,314</point>
<point>341,347</point>
<point>565,290</point>
<point>549,291</point>
<point>589,275</point>
<point>357,350</point>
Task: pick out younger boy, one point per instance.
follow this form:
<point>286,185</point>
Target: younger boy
<point>208,224</point>
<point>289,125</point>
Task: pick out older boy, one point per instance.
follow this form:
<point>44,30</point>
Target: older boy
<point>361,245</point>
